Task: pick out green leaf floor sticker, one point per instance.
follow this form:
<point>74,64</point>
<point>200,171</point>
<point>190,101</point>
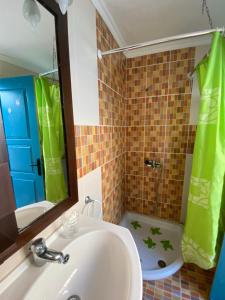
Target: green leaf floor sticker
<point>136,225</point>
<point>150,243</point>
<point>155,231</point>
<point>166,245</point>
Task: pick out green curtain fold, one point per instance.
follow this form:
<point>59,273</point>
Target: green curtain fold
<point>52,138</point>
<point>204,221</point>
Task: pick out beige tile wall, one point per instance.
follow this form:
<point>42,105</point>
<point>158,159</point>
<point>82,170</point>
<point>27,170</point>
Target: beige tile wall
<point>111,76</point>
<point>158,100</point>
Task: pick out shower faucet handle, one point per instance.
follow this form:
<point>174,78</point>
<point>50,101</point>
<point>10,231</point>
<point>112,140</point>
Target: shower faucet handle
<point>152,163</point>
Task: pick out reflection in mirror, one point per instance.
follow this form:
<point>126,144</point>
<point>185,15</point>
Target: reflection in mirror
<point>31,109</point>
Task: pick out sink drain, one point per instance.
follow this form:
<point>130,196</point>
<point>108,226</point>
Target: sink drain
<point>161,263</point>
<point>74,297</point>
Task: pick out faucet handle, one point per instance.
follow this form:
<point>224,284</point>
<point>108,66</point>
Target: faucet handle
<point>38,246</point>
<point>41,253</point>
<point>152,163</point>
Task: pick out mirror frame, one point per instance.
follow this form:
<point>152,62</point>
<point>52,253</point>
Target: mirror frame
<point>61,29</point>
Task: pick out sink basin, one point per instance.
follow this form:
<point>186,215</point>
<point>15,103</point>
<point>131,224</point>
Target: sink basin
<point>29,213</point>
<point>98,268</point>
<point>103,265</point>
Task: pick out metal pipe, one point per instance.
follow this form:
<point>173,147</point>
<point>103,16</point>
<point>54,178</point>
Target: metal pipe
<point>49,72</point>
<point>159,41</point>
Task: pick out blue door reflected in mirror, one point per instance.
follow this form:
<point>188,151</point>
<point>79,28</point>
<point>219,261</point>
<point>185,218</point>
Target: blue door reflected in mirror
<point>17,102</point>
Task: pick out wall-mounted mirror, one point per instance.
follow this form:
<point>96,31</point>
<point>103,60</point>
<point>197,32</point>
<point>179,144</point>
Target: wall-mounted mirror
<point>32,107</point>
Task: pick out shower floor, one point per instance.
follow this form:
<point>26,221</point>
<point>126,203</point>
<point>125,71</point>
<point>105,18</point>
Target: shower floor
<point>158,243</point>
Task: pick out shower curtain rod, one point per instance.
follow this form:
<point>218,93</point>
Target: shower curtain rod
<point>159,41</point>
<point>49,72</point>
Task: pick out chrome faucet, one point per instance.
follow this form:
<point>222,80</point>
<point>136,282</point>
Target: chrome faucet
<point>152,163</point>
<point>42,254</point>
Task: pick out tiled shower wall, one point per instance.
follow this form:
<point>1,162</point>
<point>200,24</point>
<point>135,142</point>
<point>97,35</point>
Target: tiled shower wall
<point>144,109</point>
<point>112,117</point>
<point>158,101</point>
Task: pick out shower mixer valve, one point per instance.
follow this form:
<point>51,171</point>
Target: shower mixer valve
<point>152,163</point>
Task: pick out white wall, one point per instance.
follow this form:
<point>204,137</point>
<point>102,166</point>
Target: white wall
<point>83,62</point>
<point>10,70</point>
<point>91,185</point>
<point>84,79</point>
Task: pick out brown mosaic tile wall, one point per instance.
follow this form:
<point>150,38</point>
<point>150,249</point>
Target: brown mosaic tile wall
<point>92,148</point>
<point>144,107</point>
<point>104,146</point>
<point>112,120</point>
<point>158,99</point>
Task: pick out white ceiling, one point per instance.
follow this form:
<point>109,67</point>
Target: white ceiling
<point>22,45</point>
<point>135,21</point>
<point>131,21</point>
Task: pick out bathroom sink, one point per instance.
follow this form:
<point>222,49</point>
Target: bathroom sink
<point>98,268</point>
<point>29,213</point>
<point>103,265</point>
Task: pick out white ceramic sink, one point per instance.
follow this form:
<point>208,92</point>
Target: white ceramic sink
<point>103,265</point>
<point>29,213</point>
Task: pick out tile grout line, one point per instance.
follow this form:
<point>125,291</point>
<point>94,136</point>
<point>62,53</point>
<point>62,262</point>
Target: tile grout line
<point>108,86</point>
<point>134,151</point>
<point>187,146</point>
<point>161,63</point>
<point>125,179</point>
<point>165,132</point>
<point>145,111</point>
<point>113,189</point>
<point>132,126</point>
<point>150,177</point>
<point>160,95</point>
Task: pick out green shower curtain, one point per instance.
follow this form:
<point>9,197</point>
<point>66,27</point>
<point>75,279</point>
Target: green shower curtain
<point>52,138</point>
<point>205,214</point>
